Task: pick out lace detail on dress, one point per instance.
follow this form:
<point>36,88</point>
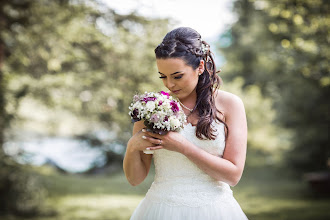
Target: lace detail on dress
<point>178,181</point>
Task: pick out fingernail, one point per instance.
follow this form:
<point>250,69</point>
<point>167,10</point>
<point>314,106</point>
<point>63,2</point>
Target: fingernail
<point>144,137</point>
<point>148,148</point>
<point>143,130</point>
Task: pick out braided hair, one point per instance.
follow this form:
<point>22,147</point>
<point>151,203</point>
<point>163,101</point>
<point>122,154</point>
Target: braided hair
<point>186,43</point>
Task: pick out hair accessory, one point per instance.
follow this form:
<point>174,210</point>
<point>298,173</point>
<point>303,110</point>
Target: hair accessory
<point>205,47</point>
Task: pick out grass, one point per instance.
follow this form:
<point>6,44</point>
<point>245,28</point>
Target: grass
<point>263,193</point>
<point>269,194</point>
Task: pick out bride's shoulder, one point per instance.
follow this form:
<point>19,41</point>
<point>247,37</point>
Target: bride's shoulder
<point>227,102</point>
<point>225,96</point>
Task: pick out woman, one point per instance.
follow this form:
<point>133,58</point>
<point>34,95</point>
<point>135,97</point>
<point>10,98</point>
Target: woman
<point>196,166</point>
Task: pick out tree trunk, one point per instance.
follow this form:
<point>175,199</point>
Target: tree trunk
<point>2,98</point>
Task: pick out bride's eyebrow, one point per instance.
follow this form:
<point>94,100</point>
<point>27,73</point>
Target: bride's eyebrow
<point>172,73</point>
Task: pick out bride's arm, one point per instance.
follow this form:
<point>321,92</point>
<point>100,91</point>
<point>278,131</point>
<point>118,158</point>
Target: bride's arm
<point>230,167</point>
<point>136,164</point>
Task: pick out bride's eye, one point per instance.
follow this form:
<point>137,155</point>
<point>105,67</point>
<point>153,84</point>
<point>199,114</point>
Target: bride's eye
<point>178,77</point>
<point>162,77</point>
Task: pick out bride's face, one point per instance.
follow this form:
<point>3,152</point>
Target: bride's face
<point>178,77</point>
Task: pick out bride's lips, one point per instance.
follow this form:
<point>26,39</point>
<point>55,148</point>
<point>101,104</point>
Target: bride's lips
<point>176,91</point>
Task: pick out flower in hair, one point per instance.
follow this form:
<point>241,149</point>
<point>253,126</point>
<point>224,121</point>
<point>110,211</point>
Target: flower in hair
<point>205,48</point>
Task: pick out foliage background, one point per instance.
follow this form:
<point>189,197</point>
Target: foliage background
<point>70,68</point>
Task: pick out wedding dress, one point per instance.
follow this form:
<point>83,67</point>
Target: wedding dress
<point>181,191</point>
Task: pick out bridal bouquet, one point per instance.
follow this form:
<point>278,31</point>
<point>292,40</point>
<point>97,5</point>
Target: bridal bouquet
<point>160,111</point>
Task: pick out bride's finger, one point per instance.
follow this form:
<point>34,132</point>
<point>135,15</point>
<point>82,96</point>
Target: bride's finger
<point>152,140</point>
<point>155,148</point>
<point>154,135</point>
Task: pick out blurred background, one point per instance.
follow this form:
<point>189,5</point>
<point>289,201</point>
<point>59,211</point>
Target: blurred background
<point>69,70</point>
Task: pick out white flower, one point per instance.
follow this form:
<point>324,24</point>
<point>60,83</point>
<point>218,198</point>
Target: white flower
<point>166,104</point>
<point>137,105</point>
<point>175,123</point>
<point>161,98</point>
<point>150,106</point>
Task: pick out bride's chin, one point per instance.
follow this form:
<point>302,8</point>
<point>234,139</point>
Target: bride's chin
<point>180,96</point>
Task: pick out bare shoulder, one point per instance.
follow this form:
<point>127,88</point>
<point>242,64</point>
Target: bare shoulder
<point>225,97</point>
<point>228,103</point>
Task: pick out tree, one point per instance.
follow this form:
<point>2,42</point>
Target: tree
<point>14,197</point>
<point>82,64</point>
<point>68,60</point>
<point>281,46</point>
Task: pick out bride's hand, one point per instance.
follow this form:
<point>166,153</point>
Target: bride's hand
<point>140,144</point>
<point>173,141</point>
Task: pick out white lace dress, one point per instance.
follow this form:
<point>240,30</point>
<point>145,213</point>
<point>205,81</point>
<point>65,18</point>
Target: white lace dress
<point>181,191</point>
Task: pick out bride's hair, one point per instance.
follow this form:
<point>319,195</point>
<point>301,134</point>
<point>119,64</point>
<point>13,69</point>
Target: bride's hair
<point>186,43</point>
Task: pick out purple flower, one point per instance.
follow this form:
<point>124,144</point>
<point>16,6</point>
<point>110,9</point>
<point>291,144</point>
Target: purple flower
<point>154,118</point>
<point>134,115</point>
<point>166,118</point>
<point>165,93</point>
<point>160,103</point>
<point>174,106</point>
<point>147,99</point>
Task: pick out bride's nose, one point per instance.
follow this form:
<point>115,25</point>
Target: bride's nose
<point>169,83</point>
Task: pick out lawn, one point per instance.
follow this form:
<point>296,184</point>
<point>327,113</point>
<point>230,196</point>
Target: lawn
<point>263,193</point>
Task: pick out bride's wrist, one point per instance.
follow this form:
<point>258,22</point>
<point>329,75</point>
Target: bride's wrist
<point>184,147</point>
<point>131,147</point>
<point>187,148</point>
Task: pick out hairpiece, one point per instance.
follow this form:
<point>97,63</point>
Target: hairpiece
<point>205,47</point>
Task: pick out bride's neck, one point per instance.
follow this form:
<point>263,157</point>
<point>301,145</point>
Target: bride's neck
<point>189,101</point>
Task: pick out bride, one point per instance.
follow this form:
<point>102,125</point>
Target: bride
<point>196,166</point>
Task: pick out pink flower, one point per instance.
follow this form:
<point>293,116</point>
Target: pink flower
<point>174,106</point>
<point>165,93</point>
<point>136,98</point>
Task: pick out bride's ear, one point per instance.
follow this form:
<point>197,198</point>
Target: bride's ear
<point>201,67</point>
